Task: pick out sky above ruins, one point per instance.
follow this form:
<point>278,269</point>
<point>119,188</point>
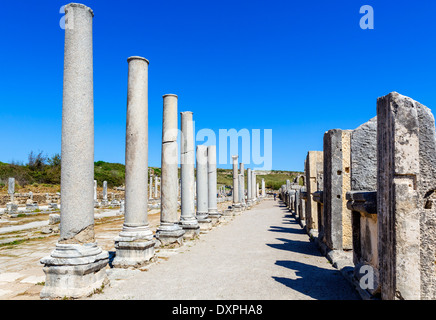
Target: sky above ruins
<point>298,68</point>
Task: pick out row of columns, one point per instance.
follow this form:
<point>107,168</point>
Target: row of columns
<point>253,195</point>
<point>76,267</point>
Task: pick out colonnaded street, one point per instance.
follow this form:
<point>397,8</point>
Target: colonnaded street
<point>261,254</point>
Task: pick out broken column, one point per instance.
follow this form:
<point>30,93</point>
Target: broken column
<point>76,267</point>
<point>313,169</point>
<point>188,220</point>
<point>135,244</point>
<point>202,190</point>
<point>104,202</point>
<point>362,200</point>
<point>212,187</point>
<point>169,230</point>
<point>11,207</point>
<point>236,202</point>
<point>335,224</point>
<point>406,208</point>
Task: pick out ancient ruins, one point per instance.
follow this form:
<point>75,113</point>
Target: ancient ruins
<point>367,200</point>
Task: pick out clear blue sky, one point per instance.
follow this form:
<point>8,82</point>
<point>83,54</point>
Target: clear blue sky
<point>299,68</point>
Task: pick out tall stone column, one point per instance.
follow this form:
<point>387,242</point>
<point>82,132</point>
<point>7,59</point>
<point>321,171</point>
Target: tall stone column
<point>169,230</point>
<point>212,187</point>
<point>96,203</point>
<point>156,183</point>
<point>249,187</point>
<point>253,186</point>
<point>135,244</point>
<point>188,220</point>
<point>76,267</point>
<point>150,188</point>
<point>263,188</point>
<point>241,190</point>
<point>202,190</point>
<point>236,202</point>
<point>242,171</point>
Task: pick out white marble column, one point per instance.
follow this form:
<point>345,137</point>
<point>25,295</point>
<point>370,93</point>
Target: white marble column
<point>188,220</point>
<point>212,186</point>
<point>76,267</point>
<point>96,203</point>
<point>135,245</point>
<point>249,188</point>
<point>169,230</point>
<point>253,187</point>
<point>242,171</point>
<point>236,203</point>
<point>263,188</point>
<point>150,188</point>
<point>241,191</point>
<point>156,183</point>
<point>202,189</point>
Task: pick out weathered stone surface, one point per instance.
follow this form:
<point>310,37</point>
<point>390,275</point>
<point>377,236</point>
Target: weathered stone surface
<point>405,186</point>
<point>169,230</point>
<point>336,217</point>
<point>364,157</point>
<point>313,169</point>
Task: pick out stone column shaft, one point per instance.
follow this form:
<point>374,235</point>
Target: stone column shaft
<point>135,245</point>
<point>212,186</point>
<point>236,202</point>
<point>187,218</point>
<point>249,187</point>
<point>68,267</point>
<point>169,230</point>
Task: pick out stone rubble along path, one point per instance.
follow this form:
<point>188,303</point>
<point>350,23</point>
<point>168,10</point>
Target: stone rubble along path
<point>261,254</point>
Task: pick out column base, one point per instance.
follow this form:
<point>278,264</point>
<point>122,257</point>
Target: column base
<point>205,224</point>
<point>191,228</point>
<point>215,216</point>
<point>168,234</point>
<point>74,271</point>
<point>134,247</point>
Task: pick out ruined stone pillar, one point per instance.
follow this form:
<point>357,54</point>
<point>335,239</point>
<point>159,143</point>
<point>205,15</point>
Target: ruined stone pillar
<point>76,267</point>
<point>314,168</point>
<point>249,188</point>
<point>202,189</point>
<point>236,202</point>
<point>406,181</point>
<point>187,218</point>
<point>105,201</point>
<point>334,224</point>
<point>169,230</point>
<point>135,245</point>
<point>212,187</point>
